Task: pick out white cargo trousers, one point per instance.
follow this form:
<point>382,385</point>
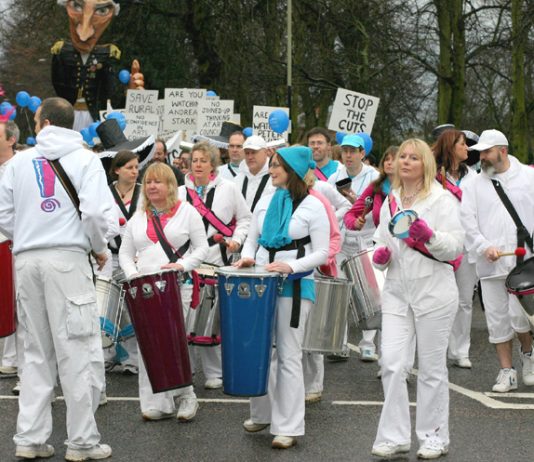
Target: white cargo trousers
<point>58,318</point>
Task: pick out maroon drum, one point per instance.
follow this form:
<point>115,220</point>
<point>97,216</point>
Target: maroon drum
<point>155,308</point>
<point>8,319</point>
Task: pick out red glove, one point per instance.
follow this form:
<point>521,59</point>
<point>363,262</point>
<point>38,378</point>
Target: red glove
<point>420,231</point>
<point>382,255</point>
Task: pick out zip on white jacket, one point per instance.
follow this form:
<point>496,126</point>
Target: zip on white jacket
<point>48,218</point>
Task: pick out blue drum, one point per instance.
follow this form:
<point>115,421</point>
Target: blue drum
<point>247,300</point>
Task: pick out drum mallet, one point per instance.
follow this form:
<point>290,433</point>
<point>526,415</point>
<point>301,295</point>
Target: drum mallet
<point>519,252</point>
<point>219,239</point>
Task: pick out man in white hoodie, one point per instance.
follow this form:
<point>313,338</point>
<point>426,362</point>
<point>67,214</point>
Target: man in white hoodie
<point>57,309</point>
<point>490,230</point>
<point>253,179</point>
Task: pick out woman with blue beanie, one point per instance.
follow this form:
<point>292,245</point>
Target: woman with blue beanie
<point>289,234</point>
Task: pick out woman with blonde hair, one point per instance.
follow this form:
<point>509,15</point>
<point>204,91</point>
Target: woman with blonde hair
<point>419,300</point>
<point>142,252</point>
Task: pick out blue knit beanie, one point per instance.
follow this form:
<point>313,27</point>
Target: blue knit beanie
<point>299,158</point>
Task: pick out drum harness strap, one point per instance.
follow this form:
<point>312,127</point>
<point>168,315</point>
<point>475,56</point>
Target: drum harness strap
<point>174,255</point>
<point>298,245</point>
<point>210,218</point>
<point>419,246</point>
<point>231,170</point>
<point>127,213</point>
<point>73,195</point>
<point>523,236</point>
<point>259,192</point>
<point>449,186</point>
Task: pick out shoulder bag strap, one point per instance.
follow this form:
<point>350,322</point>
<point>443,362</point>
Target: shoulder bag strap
<point>259,191</point>
<point>66,183</point>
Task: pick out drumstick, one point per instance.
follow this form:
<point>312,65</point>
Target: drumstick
<point>219,239</point>
<point>368,206</point>
<point>519,252</point>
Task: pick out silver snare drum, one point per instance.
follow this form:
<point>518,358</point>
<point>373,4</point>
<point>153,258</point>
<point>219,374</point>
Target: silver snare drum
<point>325,327</point>
<point>203,323</point>
<point>108,300</point>
<point>365,301</point>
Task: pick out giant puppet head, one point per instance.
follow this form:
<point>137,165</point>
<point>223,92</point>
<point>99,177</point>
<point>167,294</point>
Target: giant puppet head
<point>88,19</point>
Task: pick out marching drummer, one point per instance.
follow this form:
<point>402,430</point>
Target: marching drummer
<point>491,230</point>
<point>419,300</point>
<point>124,172</point>
<point>226,214</point>
<point>289,234</point>
<point>142,251</point>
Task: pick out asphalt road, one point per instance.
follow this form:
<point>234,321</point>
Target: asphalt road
<point>341,427</point>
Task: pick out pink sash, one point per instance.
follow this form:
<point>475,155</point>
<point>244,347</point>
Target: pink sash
<point>207,213</point>
<point>320,175</point>
<point>419,246</point>
<point>451,187</point>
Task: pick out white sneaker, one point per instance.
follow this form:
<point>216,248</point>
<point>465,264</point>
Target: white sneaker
<point>130,369</point>
<point>367,355</point>
<point>527,362</point>
<point>283,442</point>
<point>432,448</point>
<point>103,399</point>
<point>506,381</point>
<point>464,363</point>
<point>213,384</point>
<point>188,408</point>
<point>389,449</point>
<point>100,451</point>
<point>7,372</point>
<point>253,427</point>
<point>35,451</point>
<point>313,397</point>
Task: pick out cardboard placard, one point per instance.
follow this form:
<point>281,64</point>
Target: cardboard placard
<point>181,108</point>
<point>260,123</point>
<point>211,115</point>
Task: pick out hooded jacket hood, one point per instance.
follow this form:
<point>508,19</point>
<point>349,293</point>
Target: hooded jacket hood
<point>56,142</point>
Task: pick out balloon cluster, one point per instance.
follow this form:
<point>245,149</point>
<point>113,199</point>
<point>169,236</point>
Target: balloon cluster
<point>247,131</point>
<point>124,76</point>
<point>25,100</point>
<point>279,121</point>
<point>211,93</point>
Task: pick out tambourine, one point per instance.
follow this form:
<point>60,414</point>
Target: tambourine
<point>400,223</point>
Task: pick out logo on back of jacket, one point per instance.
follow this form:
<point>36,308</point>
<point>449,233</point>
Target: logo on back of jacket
<point>46,179</point>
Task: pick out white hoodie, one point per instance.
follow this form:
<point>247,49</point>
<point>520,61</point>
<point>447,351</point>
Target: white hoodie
<point>36,210</point>
<point>253,182</point>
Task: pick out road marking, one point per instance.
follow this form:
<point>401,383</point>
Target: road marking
<point>361,403</point>
<point>510,395</point>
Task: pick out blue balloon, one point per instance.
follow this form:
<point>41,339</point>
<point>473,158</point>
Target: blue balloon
<point>92,129</point>
<point>23,98</point>
<point>13,114</point>
<point>247,131</point>
<point>86,135</point>
<point>119,117</point>
<point>278,121</point>
<point>124,76</point>
<point>368,142</point>
<point>34,103</point>
<point>5,107</point>
<point>30,141</point>
<point>339,137</point>
<point>211,93</point>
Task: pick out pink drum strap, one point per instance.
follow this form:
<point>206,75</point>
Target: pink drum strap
<point>451,187</point>
<point>207,214</point>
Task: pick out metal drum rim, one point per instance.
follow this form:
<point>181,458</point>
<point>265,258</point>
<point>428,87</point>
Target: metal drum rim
<point>238,272</point>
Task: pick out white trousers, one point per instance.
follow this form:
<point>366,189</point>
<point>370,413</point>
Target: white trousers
<point>432,416</point>
<point>504,313</point>
<point>460,339</point>
<point>58,318</point>
<point>313,371</point>
<point>164,401</point>
<point>9,354</point>
<point>283,406</point>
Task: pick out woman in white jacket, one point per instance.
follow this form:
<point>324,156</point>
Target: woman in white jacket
<point>225,213</point>
<point>285,225</point>
<point>420,299</point>
<point>142,253</point>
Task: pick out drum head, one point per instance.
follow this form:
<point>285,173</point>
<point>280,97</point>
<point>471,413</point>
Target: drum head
<point>400,223</point>
<point>253,271</point>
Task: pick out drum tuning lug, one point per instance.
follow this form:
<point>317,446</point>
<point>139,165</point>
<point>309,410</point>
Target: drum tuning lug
<point>228,286</point>
<point>260,289</point>
<point>148,292</point>
<point>133,291</point>
<point>243,290</point>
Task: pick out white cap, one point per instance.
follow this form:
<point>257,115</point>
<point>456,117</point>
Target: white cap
<point>488,139</point>
<point>255,143</point>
